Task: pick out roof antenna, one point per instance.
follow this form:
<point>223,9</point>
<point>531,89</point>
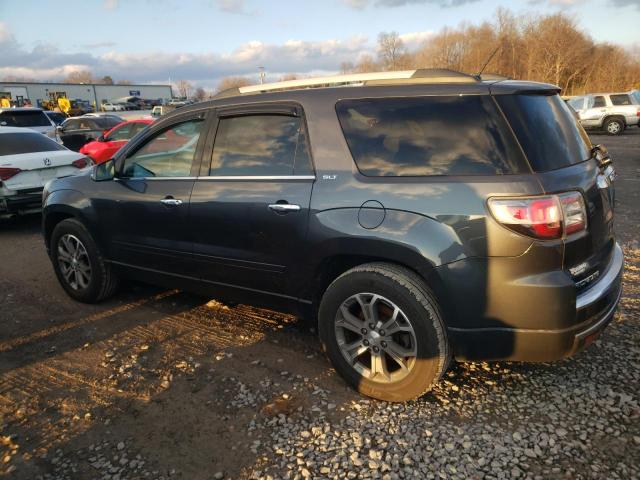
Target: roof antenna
<point>478,75</point>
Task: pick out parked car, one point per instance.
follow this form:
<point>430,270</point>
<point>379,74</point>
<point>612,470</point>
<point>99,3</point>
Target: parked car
<point>160,110</point>
<point>112,116</point>
<point>28,160</point>
<point>56,117</point>
<point>28,117</point>
<point>109,143</point>
<point>112,107</point>
<point>418,219</point>
<point>75,132</point>
<point>610,112</point>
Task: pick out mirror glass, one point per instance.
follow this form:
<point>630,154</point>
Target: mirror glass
<point>104,171</point>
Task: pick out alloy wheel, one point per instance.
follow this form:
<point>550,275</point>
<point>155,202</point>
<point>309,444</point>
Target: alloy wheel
<point>375,337</point>
<point>74,263</point>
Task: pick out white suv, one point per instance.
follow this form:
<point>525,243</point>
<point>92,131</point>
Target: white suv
<point>611,112</point>
<point>28,117</point>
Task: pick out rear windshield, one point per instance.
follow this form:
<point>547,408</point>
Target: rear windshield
<point>24,119</point>
<point>548,131</point>
<point>425,136</point>
<point>27,142</point>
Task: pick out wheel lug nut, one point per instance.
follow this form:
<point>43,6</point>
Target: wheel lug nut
<point>372,326</point>
<point>376,349</point>
<point>365,343</point>
<point>381,332</point>
<point>364,331</point>
<point>383,344</point>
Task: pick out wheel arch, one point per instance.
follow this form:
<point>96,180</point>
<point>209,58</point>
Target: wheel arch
<point>61,205</point>
<point>615,117</point>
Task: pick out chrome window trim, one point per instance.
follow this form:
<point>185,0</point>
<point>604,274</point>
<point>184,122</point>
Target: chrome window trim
<point>228,177</point>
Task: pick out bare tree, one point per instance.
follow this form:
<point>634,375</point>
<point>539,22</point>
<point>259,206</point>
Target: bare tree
<point>106,80</point>
<point>80,76</point>
<point>200,94</point>
<point>346,67</point>
<point>390,50</point>
<point>289,76</point>
<point>124,82</point>
<point>366,64</point>
<point>232,82</point>
<point>183,87</point>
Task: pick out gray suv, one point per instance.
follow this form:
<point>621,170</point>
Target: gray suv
<point>416,216</point>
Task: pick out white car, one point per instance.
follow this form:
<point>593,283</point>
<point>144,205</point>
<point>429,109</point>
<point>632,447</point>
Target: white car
<point>28,117</point>
<point>28,160</point>
<point>112,107</point>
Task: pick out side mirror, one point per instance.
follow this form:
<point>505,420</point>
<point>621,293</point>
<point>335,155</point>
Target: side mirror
<point>59,128</point>
<point>104,171</point>
<point>101,138</point>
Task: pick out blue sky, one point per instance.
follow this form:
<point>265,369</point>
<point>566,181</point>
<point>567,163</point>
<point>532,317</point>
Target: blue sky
<point>204,40</point>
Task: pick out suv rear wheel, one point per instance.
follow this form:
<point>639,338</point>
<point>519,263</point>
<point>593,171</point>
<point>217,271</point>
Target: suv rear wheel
<point>79,264</point>
<point>382,329</point>
<point>613,126</point>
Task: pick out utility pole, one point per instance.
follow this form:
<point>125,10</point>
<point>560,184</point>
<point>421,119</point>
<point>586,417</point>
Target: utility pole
<point>262,75</point>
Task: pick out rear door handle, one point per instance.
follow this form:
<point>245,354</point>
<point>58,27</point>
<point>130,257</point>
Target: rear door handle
<point>172,202</point>
<point>284,207</point>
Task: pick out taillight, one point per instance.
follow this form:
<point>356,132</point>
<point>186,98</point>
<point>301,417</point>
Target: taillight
<point>574,212</point>
<point>548,217</point>
<point>81,162</point>
<point>7,173</point>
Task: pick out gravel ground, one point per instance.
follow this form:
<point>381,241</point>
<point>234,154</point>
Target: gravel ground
<point>161,384</point>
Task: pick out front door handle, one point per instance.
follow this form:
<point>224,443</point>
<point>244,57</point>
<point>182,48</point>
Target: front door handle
<point>284,207</point>
<point>171,202</point>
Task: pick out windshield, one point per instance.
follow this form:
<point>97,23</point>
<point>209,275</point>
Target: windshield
<point>23,118</point>
<point>548,131</point>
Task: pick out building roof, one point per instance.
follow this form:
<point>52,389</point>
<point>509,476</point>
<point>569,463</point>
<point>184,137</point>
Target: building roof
<point>84,84</point>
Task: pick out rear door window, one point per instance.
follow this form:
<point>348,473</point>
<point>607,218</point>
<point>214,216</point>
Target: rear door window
<point>122,133</point>
<point>598,102</point>
<point>258,145</point>
<point>547,130</point>
<point>424,136</point>
<point>28,142</point>
<point>23,118</point>
<point>621,99</point>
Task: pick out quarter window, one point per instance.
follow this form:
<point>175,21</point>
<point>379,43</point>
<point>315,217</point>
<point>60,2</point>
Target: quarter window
<point>621,99</point>
<point>169,153</point>
<point>425,136</point>
<point>258,145</point>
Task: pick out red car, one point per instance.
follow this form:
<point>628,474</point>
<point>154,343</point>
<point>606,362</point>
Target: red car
<point>112,140</point>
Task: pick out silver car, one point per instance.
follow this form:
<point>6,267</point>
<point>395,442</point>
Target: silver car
<point>610,112</point>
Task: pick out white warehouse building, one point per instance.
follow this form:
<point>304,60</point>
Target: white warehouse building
<point>95,94</point>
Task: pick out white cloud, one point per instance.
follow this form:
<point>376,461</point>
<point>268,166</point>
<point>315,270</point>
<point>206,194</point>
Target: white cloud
<point>5,33</point>
<point>231,6</point>
<point>412,40</point>
<point>110,4</point>
<point>360,4</point>
<point>46,62</point>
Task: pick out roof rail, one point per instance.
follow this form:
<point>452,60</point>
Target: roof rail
<point>423,75</point>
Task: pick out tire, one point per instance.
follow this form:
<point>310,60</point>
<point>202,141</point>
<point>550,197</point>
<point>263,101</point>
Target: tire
<point>418,329</point>
<point>613,126</point>
<point>87,285</point>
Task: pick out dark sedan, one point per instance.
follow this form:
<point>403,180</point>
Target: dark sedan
<point>75,132</point>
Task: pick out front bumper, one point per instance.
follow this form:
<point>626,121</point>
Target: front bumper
<point>594,309</point>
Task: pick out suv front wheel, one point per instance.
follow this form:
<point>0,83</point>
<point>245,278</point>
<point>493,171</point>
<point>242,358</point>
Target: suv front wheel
<point>79,264</point>
<point>382,329</point>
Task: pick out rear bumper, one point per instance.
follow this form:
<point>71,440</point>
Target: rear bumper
<point>21,203</point>
<point>594,310</point>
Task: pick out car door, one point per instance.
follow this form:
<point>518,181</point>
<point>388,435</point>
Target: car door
<point>118,137</point>
<point>78,131</point>
<point>250,206</point>
<point>144,214</point>
<point>595,111</point>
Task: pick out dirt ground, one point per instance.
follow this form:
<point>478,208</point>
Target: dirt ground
<point>166,384</point>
